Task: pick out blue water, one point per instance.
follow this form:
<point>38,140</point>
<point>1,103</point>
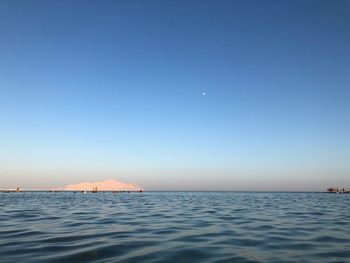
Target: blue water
<point>174,227</point>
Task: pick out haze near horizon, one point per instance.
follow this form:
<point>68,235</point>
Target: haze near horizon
<point>175,95</point>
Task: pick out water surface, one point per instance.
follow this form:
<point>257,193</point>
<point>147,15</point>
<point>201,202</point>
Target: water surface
<point>174,227</point>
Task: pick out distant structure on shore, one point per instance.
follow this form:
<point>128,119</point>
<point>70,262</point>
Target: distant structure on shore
<point>109,185</point>
<point>338,190</point>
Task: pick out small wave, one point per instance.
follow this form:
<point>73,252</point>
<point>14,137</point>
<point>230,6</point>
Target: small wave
<point>174,227</point>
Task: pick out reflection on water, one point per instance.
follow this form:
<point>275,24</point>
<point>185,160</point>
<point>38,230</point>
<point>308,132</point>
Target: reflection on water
<point>174,227</point>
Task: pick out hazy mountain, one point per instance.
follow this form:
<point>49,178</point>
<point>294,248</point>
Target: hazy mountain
<point>109,185</point>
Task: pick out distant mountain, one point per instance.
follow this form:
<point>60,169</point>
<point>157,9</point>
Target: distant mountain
<point>109,185</point>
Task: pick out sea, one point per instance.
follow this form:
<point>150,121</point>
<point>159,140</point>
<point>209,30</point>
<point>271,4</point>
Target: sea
<point>174,227</point>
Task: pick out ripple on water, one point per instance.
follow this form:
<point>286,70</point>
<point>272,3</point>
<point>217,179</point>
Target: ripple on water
<point>174,227</point>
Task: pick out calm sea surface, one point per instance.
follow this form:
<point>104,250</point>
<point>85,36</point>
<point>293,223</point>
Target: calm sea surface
<point>174,227</point>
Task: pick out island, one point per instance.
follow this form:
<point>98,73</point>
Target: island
<point>108,185</point>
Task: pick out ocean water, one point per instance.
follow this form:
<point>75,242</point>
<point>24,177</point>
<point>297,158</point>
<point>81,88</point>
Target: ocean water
<point>174,227</point>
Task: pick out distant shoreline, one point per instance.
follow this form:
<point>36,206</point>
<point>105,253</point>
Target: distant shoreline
<point>152,191</point>
<point>67,191</point>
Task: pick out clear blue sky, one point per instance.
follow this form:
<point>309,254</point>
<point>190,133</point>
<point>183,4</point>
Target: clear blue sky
<point>91,90</point>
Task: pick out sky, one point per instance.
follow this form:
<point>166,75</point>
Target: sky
<point>95,90</point>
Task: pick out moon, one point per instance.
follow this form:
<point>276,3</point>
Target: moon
<point>203,93</point>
